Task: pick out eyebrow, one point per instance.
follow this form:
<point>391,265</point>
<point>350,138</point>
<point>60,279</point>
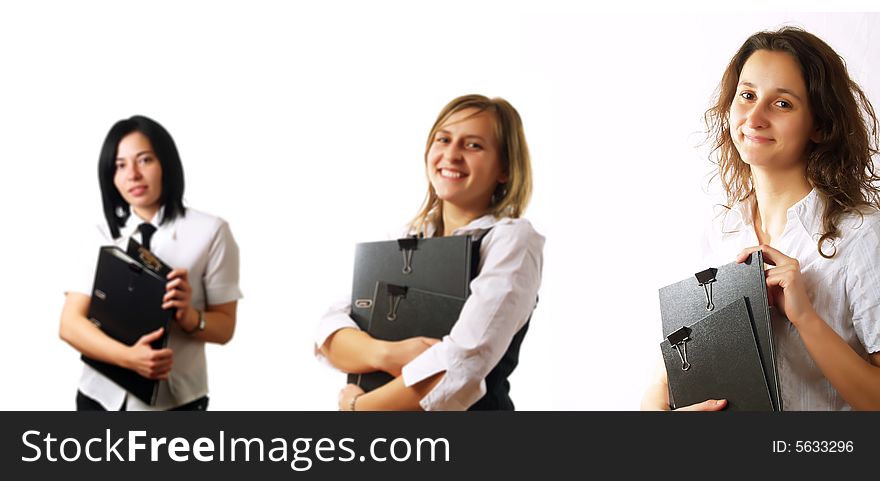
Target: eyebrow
<point>468,136</point>
<point>144,152</point>
<point>780,90</point>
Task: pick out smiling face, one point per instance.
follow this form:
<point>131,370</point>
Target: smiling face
<point>771,124</point>
<point>138,176</point>
<point>463,161</point>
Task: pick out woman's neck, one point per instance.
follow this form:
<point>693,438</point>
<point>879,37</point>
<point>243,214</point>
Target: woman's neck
<point>775,192</point>
<point>455,217</point>
<point>145,213</point>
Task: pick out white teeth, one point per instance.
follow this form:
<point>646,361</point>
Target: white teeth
<point>451,174</point>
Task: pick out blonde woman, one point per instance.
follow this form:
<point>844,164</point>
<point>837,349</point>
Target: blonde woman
<point>479,181</point>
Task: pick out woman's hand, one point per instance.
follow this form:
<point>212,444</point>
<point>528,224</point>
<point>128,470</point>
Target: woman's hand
<point>347,395</point>
<point>659,401</point>
<point>148,362</point>
<point>785,286</point>
<point>709,405</point>
<point>178,295</point>
<point>656,397</point>
<point>398,354</point>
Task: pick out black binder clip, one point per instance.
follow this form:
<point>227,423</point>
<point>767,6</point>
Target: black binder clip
<point>706,278</point>
<point>395,294</point>
<point>679,340</point>
<point>408,245</point>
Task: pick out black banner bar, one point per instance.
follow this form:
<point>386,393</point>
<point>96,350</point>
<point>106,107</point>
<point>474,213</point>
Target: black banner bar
<point>334,445</point>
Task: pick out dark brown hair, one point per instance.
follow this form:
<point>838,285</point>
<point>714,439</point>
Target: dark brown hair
<point>840,166</point>
<point>116,209</point>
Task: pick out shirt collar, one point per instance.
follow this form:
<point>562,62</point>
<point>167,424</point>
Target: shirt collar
<point>133,221</point>
<point>479,224</point>
<point>739,216</point>
<point>807,212</point>
<point>483,223</point>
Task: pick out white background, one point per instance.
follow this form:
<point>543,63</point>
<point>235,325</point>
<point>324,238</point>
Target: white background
<point>304,126</point>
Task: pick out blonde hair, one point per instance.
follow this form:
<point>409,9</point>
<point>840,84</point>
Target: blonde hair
<point>510,199</point>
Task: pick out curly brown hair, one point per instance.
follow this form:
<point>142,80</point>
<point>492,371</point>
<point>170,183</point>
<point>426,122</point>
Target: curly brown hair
<point>841,165</point>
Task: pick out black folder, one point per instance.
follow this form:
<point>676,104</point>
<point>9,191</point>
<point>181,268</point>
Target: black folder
<point>443,266</point>
<point>717,358</point>
<point>687,301</point>
<point>401,312</point>
<point>126,304</point>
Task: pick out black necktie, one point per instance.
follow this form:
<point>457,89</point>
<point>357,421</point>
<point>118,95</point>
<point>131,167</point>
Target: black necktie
<point>147,230</point>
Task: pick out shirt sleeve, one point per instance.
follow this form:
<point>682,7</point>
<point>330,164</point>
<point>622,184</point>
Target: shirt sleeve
<point>80,276</point>
<point>336,318</point>
<point>221,272</point>
<point>502,298</point>
<point>863,269</point>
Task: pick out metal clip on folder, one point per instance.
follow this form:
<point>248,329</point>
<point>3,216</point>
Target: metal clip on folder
<point>706,279</point>
<point>726,349</point>
<point>679,340</point>
<point>407,245</point>
<point>395,294</point>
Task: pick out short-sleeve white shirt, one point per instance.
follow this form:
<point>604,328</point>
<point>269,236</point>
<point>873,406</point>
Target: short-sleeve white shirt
<point>199,242</point>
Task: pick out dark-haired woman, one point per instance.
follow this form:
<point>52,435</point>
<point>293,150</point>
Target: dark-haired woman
<point>794,138</point>
<point>142,182</point>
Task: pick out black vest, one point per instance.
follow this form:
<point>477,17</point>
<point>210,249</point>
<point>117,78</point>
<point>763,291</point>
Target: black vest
<point>497,397</point>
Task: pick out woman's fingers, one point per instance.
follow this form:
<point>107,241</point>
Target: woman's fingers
<point>745,253</point>
<point>178,272</point>
<point>178,284</point>
<point>148,362</point>
<point>708,405</point>
<point>162,355</point>
<point>151,336</point>
<point>178,292</point>
<point>771,256</point>
<point>782,276</point>
<point>175,304</point>
<point>176,301</point>
<point>776,258</point>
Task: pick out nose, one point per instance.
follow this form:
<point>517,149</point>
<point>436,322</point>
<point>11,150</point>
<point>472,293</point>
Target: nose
<point>134,171</point>
<point>453,153</point>
<point>756,117</point>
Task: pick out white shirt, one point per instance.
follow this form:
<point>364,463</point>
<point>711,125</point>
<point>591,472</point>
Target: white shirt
<point>844,290</point>
<point>502,298</point>
<point>202,244</point>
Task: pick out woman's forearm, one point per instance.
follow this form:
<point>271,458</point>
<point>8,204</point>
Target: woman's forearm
<point>219,323</point>
<point>395,396</point>
<point>85,337</point>
<point>353,351</point>
<point>857,380</point>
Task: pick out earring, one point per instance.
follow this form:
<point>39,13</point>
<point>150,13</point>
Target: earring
<point>500,193</point>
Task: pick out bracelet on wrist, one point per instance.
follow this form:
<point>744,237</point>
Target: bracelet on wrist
<point>200,326</point>
<point>354,400</point>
